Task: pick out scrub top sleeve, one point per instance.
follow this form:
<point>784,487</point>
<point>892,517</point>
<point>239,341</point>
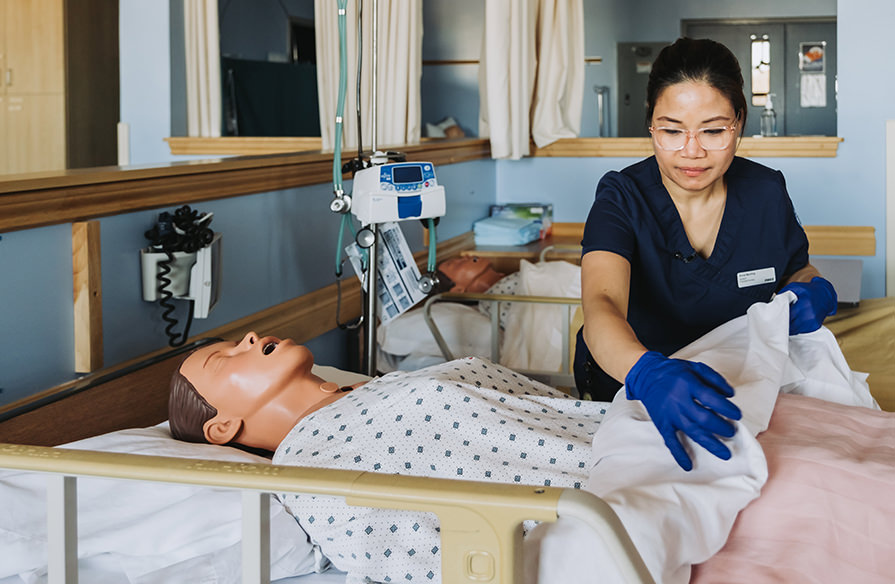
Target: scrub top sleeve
<point>609,225</point>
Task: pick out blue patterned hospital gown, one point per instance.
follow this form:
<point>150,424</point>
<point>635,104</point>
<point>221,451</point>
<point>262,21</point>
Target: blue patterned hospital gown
<point>466,419</point>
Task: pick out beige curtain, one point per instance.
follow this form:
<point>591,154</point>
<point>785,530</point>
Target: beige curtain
<point>531,74</point>
<point>507,69</point>
<point>559,90</point>
<point>399,70</point>
<point>203,68</point>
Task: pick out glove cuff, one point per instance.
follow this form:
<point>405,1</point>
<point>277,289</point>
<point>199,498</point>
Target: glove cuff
<point>637,373</point>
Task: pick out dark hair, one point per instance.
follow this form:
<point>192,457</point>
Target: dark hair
<point>187,410</point>
<point>697,60</point>
<point>444,283</point>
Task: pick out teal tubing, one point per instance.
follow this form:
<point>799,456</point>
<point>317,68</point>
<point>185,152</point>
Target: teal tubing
<point>340,110</point>
<point>343,88</point>
<point>432,245</point>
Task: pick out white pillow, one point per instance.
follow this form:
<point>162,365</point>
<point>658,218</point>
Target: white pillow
<point>150,527</point>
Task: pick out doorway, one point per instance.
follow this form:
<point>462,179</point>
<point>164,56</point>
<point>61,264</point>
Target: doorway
<point>801,62</point>
<point>634,63</point>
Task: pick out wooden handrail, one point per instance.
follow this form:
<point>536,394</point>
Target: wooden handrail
<point>37,200</point>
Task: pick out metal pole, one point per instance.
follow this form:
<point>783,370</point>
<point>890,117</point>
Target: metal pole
<point>374,72</point>
<point>370,305</point>
<point>373,265</point>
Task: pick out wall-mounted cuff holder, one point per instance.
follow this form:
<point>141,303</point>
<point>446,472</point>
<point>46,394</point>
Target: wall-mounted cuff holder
<point>194,276</point>
<point>179,275</point>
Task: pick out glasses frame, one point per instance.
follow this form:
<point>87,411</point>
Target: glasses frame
<point>692,135</point>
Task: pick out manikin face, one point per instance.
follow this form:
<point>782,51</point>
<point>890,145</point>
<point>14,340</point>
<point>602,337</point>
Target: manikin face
<point>470,274</point>
<point>260,386</point>
<point>691,106</point>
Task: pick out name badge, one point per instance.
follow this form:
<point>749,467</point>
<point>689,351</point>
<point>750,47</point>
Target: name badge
<point>756,277</point>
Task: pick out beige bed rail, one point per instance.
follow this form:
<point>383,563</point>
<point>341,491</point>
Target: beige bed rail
<point>561,378</point>
<point>480,522</point>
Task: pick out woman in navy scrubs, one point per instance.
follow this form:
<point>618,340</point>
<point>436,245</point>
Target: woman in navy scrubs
<point>682,242</point>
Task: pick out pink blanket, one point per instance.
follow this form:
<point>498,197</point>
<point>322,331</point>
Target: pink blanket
<point>827,512</point>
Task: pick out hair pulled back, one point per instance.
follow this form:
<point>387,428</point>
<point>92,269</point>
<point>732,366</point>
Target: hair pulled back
<point>697,60</point>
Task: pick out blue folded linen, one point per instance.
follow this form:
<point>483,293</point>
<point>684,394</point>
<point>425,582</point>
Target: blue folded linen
<point>502,230</point>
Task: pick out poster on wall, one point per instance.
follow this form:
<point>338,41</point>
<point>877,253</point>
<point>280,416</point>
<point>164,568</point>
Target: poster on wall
<point>811,57</point>
<point>813,90</point>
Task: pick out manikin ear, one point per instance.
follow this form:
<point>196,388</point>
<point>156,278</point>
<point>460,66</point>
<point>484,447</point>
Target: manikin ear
<point>220,430</point>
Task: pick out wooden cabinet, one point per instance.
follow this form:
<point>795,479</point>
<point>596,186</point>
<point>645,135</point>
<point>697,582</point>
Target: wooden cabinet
<point>59,86</point>
<point>35,132</point>
<point>4,165</point>
<point>34,47</point>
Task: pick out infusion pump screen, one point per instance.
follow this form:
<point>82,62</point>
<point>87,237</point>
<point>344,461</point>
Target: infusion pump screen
<point>407,174</point>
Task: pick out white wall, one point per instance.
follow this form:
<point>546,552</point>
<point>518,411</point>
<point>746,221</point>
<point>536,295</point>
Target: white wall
<point>144,48</point>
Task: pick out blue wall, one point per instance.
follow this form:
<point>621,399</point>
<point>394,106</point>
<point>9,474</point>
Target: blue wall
<point>276,246</point>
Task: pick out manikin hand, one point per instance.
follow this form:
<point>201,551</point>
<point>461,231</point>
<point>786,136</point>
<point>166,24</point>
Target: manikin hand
<point>816,300</point>
<point>683,396</point>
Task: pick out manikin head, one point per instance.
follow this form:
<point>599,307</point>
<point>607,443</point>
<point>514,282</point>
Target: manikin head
<point>469,274</point>
<point>250,393</point>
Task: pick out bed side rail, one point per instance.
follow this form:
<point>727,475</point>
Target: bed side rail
<point>480,522</point>
<point>561,378</point>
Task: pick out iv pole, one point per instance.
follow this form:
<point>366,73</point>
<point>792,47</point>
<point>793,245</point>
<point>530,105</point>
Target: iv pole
<point>373,262</point>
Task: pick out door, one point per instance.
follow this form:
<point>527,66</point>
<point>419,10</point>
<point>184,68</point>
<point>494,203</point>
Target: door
<point>798,108</point>
<point>634,63</point>
<point>811,102</point>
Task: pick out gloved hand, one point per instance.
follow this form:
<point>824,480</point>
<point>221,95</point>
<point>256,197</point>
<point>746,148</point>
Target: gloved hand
<point>816,300</point>
<point>687,397</point>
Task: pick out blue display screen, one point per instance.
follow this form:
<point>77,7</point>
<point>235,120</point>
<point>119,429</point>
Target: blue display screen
<point>407,174</point>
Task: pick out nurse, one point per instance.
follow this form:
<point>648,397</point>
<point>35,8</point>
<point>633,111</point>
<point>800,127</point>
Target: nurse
<point>682,242</point>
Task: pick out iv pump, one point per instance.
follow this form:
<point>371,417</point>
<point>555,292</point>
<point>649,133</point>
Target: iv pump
<point>769,118</point>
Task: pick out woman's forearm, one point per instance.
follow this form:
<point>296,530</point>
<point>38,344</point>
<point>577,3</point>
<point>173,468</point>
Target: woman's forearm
<point>803,275</point>
<point>611,341</point>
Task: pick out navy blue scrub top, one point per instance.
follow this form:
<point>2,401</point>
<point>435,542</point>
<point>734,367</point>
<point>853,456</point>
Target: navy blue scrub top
<point>676,295</point>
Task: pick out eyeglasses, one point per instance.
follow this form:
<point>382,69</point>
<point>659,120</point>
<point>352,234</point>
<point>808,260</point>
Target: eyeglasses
<point>719,138</point>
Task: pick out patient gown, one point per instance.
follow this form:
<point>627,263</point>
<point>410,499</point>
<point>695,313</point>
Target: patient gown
<point>465,419</point>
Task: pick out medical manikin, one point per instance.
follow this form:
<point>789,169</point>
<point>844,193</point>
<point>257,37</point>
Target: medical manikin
<point>467,274</point>
<point>465,419</point>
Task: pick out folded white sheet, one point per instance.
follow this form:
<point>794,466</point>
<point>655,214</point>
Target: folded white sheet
<point>676,518</point>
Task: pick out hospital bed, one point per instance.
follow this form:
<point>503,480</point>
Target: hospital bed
<point>527,321</point>
<point>480,522</point>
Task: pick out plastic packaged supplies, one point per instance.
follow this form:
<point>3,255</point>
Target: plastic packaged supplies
<point>503,230</point>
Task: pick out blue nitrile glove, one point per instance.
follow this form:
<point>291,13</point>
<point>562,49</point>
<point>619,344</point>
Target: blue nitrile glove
<point>687,397</point>
<point>816,300</point>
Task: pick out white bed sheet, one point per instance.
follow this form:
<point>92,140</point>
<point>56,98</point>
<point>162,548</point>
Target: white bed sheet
<point>676,518</point>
